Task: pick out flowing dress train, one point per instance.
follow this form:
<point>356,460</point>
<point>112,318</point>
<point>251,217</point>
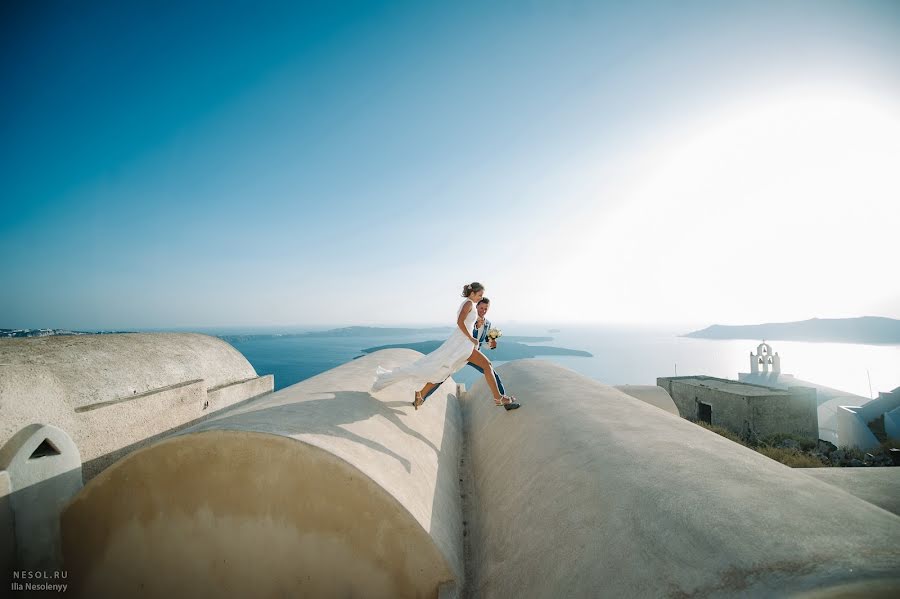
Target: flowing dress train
<point>437,365</point>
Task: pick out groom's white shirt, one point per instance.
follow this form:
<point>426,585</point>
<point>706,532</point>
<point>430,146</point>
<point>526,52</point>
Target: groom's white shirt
<point>481,334</point>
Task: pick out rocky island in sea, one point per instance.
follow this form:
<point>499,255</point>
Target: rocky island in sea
<point>873,330</point>
<point>510,347</point>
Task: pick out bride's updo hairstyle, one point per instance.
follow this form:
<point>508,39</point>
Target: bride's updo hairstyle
<point>472,287</point>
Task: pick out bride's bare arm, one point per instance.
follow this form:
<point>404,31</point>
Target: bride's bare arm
<point>460,322</point>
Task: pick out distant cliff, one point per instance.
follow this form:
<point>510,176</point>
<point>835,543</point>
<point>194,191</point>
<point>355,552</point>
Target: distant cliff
<point>866,329</point>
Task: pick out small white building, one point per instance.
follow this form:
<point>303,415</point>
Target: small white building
<point>845,419</point>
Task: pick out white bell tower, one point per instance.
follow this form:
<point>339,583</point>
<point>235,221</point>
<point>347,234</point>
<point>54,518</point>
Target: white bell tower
<point>770,363</point>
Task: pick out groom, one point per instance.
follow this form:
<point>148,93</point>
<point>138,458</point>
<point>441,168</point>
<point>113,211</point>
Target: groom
<point>481,333</point>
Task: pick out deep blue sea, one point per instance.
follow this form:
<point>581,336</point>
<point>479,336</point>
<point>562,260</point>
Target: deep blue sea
<point>620,356</point>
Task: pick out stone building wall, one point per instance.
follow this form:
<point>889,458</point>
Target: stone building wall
<point>748,410</point>
<point>795,415</point>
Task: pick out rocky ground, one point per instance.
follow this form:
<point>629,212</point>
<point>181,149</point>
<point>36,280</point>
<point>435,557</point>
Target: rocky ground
<point>830,455</point>
<point>803,453</point>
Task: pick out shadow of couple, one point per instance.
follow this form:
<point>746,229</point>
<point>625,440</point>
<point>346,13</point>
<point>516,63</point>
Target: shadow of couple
<point>325,416</point>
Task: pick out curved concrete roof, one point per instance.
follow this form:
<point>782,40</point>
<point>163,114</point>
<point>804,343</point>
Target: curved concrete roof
<point>651,394</point>
<point>79,370</point>
<point>579,493</point>
<point>319,489</point>
<point>111,393</point>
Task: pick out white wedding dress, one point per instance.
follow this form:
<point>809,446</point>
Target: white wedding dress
<point>439,364</point>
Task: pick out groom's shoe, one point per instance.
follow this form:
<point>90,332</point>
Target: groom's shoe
<point>509,405</point>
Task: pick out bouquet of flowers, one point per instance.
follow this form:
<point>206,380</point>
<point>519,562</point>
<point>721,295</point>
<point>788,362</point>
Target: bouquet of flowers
<point>494,334</point>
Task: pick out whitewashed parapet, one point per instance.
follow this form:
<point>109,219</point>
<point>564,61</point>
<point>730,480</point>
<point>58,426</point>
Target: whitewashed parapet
<point>7,528</point>
<point>852,430</point>
<point>892,424</point>
<point>43,469</point>
<point>885,402</point>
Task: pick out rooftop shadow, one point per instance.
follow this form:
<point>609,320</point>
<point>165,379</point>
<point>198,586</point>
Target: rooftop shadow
<point>322,417</point>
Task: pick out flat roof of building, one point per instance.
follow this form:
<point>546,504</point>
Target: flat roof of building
<point>787,381</point>
<point>729,386</point>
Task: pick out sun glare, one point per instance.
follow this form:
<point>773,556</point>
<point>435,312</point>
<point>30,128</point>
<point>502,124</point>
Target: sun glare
<point>782,206</point>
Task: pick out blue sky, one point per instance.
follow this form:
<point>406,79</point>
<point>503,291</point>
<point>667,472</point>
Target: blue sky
<point>174,164</point>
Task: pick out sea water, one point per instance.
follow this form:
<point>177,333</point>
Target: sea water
<point>620,356</point>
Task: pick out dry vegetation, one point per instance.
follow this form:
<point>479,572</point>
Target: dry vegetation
<point>791,457</point>
<point>794,458</point>
<point>802,452</point>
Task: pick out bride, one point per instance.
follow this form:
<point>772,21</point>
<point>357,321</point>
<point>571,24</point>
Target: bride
<point>461,347</point>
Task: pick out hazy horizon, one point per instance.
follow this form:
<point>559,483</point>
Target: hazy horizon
<point>299,328</point>
<point>672,165</point>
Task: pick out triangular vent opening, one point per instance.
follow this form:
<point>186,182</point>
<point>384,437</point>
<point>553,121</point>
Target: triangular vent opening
<point>46,448</point>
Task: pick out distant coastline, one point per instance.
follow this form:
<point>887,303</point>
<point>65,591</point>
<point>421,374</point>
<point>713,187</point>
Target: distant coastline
<point>343,332</point>
<point>29,333</point>
<point>351,332</point>
<point>508,350</point>
<point>870,330</point>
<point>513,346</point>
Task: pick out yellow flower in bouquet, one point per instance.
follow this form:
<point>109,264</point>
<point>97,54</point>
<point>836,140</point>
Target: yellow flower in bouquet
<point>495,334</point>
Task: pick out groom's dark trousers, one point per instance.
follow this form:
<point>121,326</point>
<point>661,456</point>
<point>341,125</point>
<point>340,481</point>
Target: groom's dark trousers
<point>482,339</point>
<point>481,370</point>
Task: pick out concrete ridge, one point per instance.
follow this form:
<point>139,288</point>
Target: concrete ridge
<point>231,384</point>
<point>103,404</point>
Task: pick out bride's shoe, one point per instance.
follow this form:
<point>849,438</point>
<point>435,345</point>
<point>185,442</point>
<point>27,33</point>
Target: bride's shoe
<point>419,401</point>
<point>507,401</point>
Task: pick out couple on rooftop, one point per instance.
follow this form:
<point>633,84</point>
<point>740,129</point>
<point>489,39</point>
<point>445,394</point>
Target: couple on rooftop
<point>461,348</point>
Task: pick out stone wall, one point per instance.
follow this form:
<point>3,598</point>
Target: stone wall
<point>745,409</point>
<point>795,415</point>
